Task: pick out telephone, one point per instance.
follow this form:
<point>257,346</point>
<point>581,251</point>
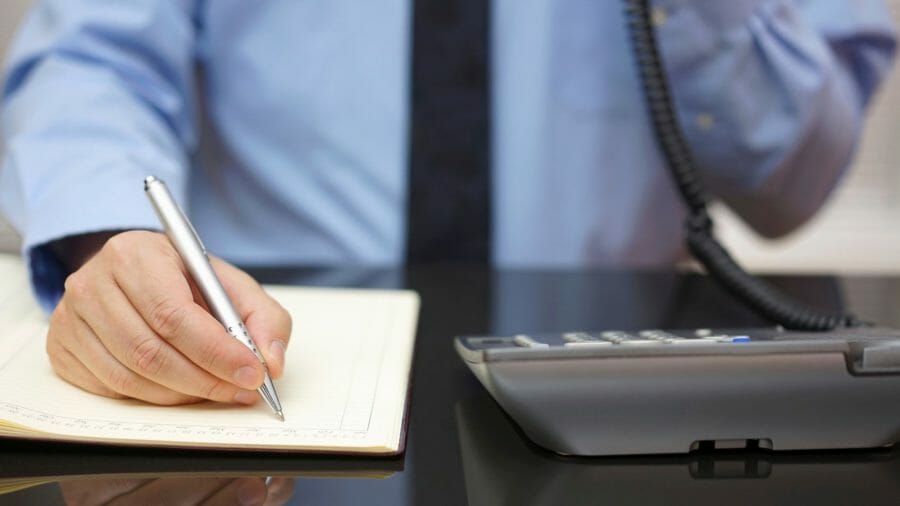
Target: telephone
<point>812,381</point>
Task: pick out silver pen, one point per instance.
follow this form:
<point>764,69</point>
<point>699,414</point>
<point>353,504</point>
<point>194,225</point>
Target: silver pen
<point>189,246</point>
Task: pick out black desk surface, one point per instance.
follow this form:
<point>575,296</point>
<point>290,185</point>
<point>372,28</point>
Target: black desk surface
<point>461,448</point>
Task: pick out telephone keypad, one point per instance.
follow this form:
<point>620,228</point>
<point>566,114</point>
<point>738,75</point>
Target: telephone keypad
<point>607,338</point>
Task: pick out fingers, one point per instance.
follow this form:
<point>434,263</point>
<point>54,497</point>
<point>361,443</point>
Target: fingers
<point>152,359</point>
<point>97,362</point>
<point>67,365</point>
<point>187,490</point>
<point>182,491</point>
<point>244,491</point>
<point>90,492</point>
<point>129,325</point>
<point>268,323</point>
<point>165,302</point>
<point>281,489</point>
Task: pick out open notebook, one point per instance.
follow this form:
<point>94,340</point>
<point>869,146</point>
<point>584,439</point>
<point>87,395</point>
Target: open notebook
<point>344,389</point>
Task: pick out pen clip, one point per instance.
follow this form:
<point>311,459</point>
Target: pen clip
<point>194,232</point>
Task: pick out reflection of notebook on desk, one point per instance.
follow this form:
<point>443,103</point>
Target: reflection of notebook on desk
<point>344,389</point>
<point>28,464</point>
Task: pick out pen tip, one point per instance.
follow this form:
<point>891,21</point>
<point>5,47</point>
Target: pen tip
<point>280,415</point>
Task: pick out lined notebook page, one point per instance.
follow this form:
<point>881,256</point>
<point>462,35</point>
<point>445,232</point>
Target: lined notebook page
<point>344,387</point>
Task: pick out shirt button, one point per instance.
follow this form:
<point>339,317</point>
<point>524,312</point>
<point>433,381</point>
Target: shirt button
<point>705,121</point>
<point>658,16</point>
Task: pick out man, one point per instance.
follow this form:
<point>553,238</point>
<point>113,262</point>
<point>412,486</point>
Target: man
<point>284,127</point>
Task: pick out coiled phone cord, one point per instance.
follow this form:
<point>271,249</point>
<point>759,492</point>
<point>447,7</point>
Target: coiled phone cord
<point>764,299</point>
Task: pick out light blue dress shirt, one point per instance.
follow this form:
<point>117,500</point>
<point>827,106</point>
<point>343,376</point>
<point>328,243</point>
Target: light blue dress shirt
<point>282,125</point>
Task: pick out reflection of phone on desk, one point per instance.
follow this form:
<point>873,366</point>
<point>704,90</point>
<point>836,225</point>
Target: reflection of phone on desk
<point>503,468</point>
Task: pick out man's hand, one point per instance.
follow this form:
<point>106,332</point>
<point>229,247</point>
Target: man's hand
<point>132,324</point>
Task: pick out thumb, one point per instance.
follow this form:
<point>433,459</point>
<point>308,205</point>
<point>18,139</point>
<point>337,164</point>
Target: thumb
<point>268,323</point>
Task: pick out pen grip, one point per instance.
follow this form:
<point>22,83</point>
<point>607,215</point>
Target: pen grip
<point>219,304</point>
<point>192,252</point>
<point>204,276</point>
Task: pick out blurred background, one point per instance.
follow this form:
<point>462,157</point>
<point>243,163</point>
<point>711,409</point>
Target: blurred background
<point>858,231</point>
<point>10,13</point>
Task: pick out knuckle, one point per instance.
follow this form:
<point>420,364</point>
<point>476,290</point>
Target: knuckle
<point>51,343</point>
<point>167,317</point>
<point>55,361</point>
<point>121,380</point>
<point>285,323</point>
<point>57,318</point>
<point>77,285</point>
<point>215,389</point>
<point>58,328</point>
<point>148,357</point>
<point>53,348</point>
<point>119,246</point>
<point>212,355</point>
<point>54,344</point>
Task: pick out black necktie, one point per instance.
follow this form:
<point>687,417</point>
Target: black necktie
<point>449,180</point>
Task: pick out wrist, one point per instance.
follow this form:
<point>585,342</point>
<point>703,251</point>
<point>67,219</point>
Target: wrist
<point>75,250</point>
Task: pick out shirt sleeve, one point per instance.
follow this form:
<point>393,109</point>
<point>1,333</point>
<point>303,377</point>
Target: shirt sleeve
<point>97,95</point>
<point>771,95</point>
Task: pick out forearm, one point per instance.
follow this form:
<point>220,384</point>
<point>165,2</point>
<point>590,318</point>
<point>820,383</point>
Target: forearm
<point>771,95</point>
<point>93,102</point>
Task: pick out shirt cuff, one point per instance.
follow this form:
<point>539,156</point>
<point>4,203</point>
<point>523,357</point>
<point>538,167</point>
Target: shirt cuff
<point>47,274</point>
<point>75,205</point>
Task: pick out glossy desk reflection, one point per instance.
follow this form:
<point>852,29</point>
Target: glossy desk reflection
<point>443,465</point>
<point>90,474</point>
<point>503,468</point>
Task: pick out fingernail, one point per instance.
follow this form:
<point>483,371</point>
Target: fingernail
<point>246,397</point>
<point>276,350</point>
<point>247,377</point>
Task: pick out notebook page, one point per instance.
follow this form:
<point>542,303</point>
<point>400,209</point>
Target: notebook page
<point>20,316</point>
<point>344,387</point>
